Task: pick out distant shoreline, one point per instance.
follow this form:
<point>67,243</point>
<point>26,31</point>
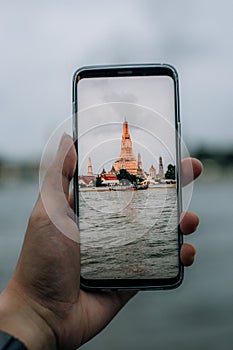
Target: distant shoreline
<point>107,189</point>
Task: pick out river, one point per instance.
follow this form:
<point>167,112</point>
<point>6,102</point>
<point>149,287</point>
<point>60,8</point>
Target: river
<point>197,315</point>
<point>129,234</point>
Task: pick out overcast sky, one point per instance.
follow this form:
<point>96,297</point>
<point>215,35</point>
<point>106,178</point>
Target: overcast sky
<point>42,43</point>
<point>147,103</point>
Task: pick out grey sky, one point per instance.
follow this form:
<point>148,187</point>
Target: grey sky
<point>43,43</point>
<point>147,103</point>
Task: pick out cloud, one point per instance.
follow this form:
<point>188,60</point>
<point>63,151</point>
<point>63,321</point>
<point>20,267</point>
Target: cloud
<point>43,43</point>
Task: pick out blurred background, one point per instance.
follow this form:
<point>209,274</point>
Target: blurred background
<point>42,44</point>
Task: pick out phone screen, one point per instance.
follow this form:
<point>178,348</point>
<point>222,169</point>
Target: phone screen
<point>127,183</point>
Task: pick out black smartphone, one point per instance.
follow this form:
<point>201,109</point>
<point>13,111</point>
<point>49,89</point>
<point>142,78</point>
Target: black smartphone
<point>127,183</point>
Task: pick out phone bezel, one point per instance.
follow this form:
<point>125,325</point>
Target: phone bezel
<point>130,70</point>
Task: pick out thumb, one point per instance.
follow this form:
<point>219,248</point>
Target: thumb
<point>64,164</point>
<point>55,188</point>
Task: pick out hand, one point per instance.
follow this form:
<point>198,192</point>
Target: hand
<point>42,304</point>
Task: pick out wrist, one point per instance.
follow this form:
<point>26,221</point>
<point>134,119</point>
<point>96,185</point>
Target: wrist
<point>23,321</point>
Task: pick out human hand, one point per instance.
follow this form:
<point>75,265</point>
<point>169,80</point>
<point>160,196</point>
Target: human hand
<point>42,304</point>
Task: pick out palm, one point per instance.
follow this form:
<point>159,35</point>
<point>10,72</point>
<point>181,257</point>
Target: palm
<point>55,282</point>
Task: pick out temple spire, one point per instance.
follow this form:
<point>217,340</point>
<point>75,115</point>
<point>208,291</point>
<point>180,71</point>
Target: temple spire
<point>161,171</point>
<point>89,167</point>
<point>125,130</point>
<point>127,159</point>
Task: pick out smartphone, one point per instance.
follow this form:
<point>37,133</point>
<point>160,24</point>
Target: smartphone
<point>127,183</point>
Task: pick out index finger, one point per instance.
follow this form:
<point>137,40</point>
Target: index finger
<point>191,168</point>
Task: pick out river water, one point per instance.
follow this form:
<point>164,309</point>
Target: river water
<point>198,315</point>
<point>129,234</point>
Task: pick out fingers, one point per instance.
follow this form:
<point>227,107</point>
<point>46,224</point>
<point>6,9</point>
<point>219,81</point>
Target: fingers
<point>191,168</point>
<point>187,254</point>
<point>188,222</point>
